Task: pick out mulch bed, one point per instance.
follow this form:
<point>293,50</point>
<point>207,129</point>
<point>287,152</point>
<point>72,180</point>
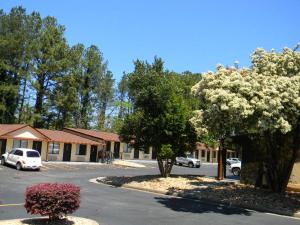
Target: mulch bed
<point>211,189</point>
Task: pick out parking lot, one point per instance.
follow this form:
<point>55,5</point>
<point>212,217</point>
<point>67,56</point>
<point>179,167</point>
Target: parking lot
<point>118,206</point>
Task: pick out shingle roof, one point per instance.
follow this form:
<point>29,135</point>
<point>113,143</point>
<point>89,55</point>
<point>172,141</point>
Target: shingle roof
<point>7,128</point>
<point>61,136</point>
<point>97,134</point>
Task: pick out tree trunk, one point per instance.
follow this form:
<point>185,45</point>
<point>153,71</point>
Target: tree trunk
<point>38,108</point>
<point>268,158</point>
<point>220,160</point>
<point>165,167</point>
<point>281,152</point>
<point>22,100</point>
<point>101,118</point>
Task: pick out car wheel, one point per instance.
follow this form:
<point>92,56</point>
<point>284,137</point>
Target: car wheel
<point>236,171</point>
<point>19,166</point>
<point>191,165</point>
<point>3,161</point>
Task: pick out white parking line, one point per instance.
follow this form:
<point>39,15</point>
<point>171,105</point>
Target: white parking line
<point>290,217</point>
<point>16,204</point>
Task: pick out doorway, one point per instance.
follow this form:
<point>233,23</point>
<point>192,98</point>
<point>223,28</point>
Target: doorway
<point>37,145</point>
<point>2,146</point>
<point>207,155</point>
<point>117,150</point>
<point>93,154</point>
<point>136,153</point>
<point>67,152</point>
<point>154,152</point>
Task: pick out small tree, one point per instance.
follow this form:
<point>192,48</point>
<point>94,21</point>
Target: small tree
<point>161,115</point>
<point>165,159</point>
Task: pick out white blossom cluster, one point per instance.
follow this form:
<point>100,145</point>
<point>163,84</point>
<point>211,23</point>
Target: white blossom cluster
<point>264,97</point>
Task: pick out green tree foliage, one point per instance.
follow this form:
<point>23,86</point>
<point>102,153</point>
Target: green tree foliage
<point>44,81</point>
<point>91,69</point>
<point>50,62</point>
<point>12,57</point>
<point>160,115</point>
<point>105,94</point>
<point>260,103</point>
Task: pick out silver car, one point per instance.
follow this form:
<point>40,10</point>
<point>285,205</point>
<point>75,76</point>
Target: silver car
<point>188,161</point>
<point>230,161</point>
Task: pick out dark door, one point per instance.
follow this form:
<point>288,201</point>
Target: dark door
<point>93,155</point>
<point>108,144</point>
<point>117,150</point>
<point>154,153</point>
<point>208,156</point>
<point>2,146</point>
<point>67,152</point>
<point>37,145</point>
<point>136,153</point>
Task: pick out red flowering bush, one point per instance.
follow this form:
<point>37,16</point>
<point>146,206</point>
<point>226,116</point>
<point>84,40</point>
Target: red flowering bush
<point>53,200</point>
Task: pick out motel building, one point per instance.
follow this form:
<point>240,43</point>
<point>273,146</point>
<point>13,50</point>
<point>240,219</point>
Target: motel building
<point>70,144</point>
<point>82,145</point>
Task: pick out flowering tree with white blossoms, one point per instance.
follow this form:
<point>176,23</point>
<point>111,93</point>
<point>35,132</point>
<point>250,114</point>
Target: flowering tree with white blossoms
<point>262,101</point>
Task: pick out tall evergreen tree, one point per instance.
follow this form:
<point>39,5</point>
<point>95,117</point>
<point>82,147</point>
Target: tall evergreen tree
<point>50,63</point>
<point>105,94</point>
<point>91,69</point>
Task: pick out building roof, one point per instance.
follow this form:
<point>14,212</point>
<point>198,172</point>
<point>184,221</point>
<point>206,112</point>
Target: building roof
<point>61,136</point>
<point>7,128</point>
<point>97,134</point>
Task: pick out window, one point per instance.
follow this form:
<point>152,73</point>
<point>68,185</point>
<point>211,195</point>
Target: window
<point>81,150</point>
<point>203,153</point>
<point>54,148</point>
<point>32,154</point>
<point>18,153</point>
<point>20,144</point>
<point>12,151</point>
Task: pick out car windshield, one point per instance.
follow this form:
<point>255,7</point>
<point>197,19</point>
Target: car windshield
<point>32,154</point>
<point>12,151</point>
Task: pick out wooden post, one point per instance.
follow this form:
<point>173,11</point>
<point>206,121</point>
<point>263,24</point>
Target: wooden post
<point>220,160</point>
<point>224,151</point>
<point>47,151</point>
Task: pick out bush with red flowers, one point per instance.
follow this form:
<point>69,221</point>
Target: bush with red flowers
<point>53,200</point>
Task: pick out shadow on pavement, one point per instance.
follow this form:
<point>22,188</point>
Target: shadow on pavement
<point>42,221</point>
<point>186,205</point>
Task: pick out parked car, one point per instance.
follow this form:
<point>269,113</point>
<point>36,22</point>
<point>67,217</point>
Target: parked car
<point>188,161</point>
<point>235,168</point>
<point>230,161</point>
<point>22,158</point>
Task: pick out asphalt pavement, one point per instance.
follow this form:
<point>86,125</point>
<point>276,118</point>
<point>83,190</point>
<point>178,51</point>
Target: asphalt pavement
<point>118,206</point>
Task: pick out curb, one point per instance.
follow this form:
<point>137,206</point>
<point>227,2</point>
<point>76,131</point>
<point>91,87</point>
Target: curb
<point>20,221</point>
<point>293,187</point>
<point>206,200</point>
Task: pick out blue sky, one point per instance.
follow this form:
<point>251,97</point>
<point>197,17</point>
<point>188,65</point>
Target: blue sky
<point>189,35</point>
